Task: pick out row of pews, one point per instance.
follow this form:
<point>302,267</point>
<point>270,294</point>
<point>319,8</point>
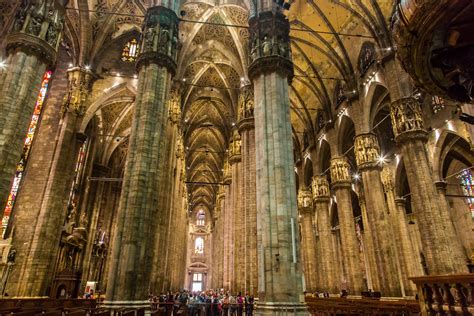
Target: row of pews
<point>62,307</point>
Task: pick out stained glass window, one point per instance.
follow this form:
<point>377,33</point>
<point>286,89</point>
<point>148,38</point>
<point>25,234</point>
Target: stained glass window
<point>467,183</point>
<point>201,216</point>
<point>199,245</point>
<point>26,149</point>
<point>130,51</point>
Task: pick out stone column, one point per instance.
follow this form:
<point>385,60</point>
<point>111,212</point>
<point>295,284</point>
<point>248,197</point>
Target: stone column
<point>442,255</point>
<point>279,276</point>
<point>134,239</point>
<point>44,197</point>
<point>401,235</point>
<point>246,127</point>
<point>31,48</point>
<point>367,152</point>
<point>341,182</point>
<point>228,222</point>
<point>320,190</point>
<point>308,243</point>
<point>238,279</point>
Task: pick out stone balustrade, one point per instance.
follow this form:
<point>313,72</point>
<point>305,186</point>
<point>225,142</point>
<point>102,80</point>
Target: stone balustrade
<point>446,294</point>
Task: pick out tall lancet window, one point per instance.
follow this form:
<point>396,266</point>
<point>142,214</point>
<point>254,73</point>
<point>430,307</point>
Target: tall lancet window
<point>467,183</point>
<point>30,135</point>
<point>130,51</point>
<point>199,246</point>
<point>201,218</point>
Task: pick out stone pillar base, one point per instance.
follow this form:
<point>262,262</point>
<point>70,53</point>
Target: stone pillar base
<point>126,304</point>
<point>281,308</point>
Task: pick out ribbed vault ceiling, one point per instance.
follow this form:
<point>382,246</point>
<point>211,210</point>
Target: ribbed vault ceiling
<point>326,39</point>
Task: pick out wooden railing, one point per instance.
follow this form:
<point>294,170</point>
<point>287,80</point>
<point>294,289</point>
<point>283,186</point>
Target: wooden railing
<point>363,306</point>
<point>446,294</point>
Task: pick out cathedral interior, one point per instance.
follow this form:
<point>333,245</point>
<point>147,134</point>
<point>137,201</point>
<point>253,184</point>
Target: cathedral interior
<point>273,147</point>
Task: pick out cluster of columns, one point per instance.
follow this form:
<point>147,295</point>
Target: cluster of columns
<point>390,256</point>
<point>150,228</point>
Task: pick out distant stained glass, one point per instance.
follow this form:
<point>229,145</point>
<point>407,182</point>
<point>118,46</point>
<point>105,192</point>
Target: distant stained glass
<point>130,51</point>
<point>26,149</point>
<point>467,183</point>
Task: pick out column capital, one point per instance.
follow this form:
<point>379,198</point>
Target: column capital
<point>269,43</point>
<point>305,201</point>
<point>407,120</point>
<point>79,86</point>
<point>367,151</point>
<point>235,148</point>
<point>246,107</point>
<point>340,171</point>
<point>159,43</point>
<point>37,30</point>
<point>320,188</point>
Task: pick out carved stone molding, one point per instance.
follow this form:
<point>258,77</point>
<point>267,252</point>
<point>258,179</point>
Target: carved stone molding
<point>320,188</point>
<point>407,119</point>
<point>160,39</point>
<point>269,43</point>
<point>37,29</point>
<point>340,171</point>
<point>367,151</point>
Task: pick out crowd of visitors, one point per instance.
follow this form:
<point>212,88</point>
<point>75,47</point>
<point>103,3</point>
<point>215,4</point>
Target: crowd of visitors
<point>207,303</point>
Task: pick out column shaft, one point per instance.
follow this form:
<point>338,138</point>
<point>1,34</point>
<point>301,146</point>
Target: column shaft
<point>351,254</point>
<point>132,257</point>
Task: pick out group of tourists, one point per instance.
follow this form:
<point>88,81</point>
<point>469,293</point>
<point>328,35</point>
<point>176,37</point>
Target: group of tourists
<point>207,303</point>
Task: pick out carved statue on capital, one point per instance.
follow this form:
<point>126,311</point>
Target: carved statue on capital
<point>160,40</point>
<point>367,150</point>
<point>79,88</point>
<point>246,102</point>
<point>174,106</point>
<point>270,44</point>
<point>407,117</point>
<point>305,200</point>
<point>38,27</point>
<point>235,148</point>
<point>320,187</point>
<point>340,170</point>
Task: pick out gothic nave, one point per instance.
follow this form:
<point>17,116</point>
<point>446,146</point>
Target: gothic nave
<point>272,147</point>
